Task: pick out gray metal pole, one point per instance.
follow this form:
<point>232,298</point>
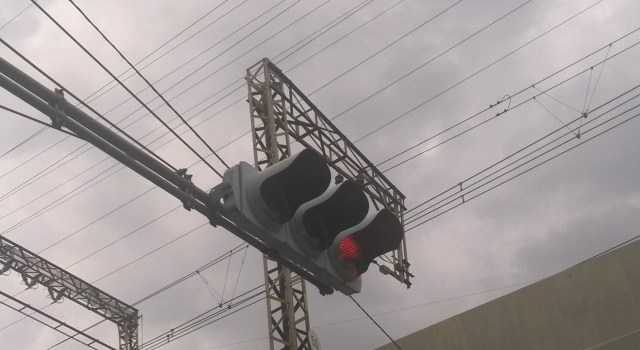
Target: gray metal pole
<point>74,113</point>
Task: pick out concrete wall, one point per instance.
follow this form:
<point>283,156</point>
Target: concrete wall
<point>594,305</point>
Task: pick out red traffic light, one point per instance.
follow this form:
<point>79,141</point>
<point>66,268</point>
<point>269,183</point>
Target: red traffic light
<point>355,248</point>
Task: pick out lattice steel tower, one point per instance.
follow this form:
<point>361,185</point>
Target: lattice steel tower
<point>280,114</point>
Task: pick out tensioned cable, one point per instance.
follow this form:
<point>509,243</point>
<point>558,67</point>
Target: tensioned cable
<point>202,320</point>
<point>239,29</point>
<point>374,321</point>
<point>547,31</point>
<point>126,88</point>
<point>527,147</point>
<point>477,72</point>
<point>321,31</point>
<point>414,70</point>
<point>432,18</point>
<point>90,97</point>
<point>499,114</point>
<point>32,64</point>
<point>25,141</point>
<point>432,59</point>
<point>459,83</point>
<point>132,66</point>
<point>508,165</point>
<point>46,125</point>
<point>333,23</point>
<point>526,170</point>
<point>491,106</point>
<point>210,60</point>
<point>170,285</point>
<point>172,336</point>
<point>15,17</point>
<point>23,311</point>
<point>235,286</point>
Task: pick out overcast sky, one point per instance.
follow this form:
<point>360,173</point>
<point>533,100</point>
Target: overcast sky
<point>424,75</point>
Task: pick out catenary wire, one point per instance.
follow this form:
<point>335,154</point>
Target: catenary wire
<point>25,141</point>
<point>431,60</point>
<point>89,98</point>
<point>347,14</point>
<point>23,311</point>
<point>529,169</point>
<point>534,86</point>
<point>127,89</point>
<point>167,103</point>
<point>414,70</point>
<point>410,217</point>
<point>210,60</point>
<point>241,39</point>
<point>524,149</point>
<point>46,125</point>
<point>497,115</point>
<point>32,64</point>
<point>429,20</point>
<point>331,25</point>
<point>503,57</point>
<point>15,17</point>
<point>172,284</point>
<point>374,321</point>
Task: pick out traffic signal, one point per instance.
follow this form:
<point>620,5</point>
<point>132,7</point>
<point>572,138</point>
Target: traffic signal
<point>325,230</point>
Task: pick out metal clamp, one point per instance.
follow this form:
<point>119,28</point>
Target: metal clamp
<point>58,104</point>
<point>187,203</point>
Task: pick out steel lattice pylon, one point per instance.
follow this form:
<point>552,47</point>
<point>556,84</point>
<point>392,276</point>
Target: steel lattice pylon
<point>280,113</point>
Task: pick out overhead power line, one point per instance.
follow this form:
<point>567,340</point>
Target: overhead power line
<point>59,201</point>
<point>58,325</point>
<point>128,90</point>
<point>429,20</point>
<point>36,67</point>
<point>46,125</point>
<point>15,17</point>
<point>462,196</point>
<point>98,92</point>
<point>509,108</point>
<point>502,58</point>
<point>376,323</point>
<point>132,66</point>
<point>414,70</point>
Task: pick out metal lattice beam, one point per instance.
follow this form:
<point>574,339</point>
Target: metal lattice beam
<point>53,323</point>
<point>62,284</point>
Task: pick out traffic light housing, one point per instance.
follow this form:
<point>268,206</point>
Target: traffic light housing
<point>327,231</point>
